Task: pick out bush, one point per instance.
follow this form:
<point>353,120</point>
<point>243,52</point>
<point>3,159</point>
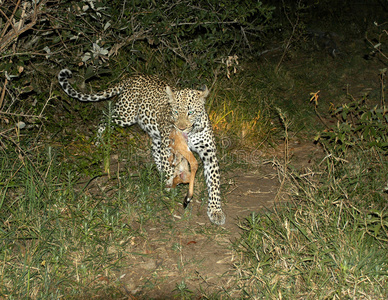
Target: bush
<point>359,127</point>
<point>190,37</point>
<point>330,239</point>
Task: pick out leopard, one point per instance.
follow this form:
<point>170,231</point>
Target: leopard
<point>158,108</point>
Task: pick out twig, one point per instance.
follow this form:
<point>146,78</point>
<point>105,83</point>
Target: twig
<point>35,53</point>
<point>3,93</point>
<point>314,98</point>
<point>181,55</point>
<point>9,22</point>
<point>122,11</point>
<point>290,38</point>
<point>377,47</point>
<point>245,38</point>
<point>7,38</point>
<point>20,115</point>
<point>136,36</point>
<point>202,23</point>
<point>286,124</point>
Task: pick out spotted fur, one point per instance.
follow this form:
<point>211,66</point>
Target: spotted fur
<point>158,108</point>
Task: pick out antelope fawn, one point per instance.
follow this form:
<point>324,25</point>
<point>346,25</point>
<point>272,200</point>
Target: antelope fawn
<point>181,158</point>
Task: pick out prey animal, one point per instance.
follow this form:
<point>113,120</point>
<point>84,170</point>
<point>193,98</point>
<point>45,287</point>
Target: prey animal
<point>184,162</point>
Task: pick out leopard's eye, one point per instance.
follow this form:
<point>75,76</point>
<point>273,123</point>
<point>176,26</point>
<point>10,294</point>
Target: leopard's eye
<point>190,112</point>
<point>176,112</point>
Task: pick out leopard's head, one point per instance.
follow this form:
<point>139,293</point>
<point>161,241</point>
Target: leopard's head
<point>188,107</point>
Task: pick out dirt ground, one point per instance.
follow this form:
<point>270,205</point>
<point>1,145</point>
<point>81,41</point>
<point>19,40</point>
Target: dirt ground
<point>199,253</point>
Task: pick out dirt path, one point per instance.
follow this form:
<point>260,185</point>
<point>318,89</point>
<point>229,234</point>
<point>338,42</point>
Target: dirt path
<point>195,257</point>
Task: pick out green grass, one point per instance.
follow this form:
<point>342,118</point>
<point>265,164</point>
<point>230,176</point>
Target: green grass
<point>53,237</point>
<point>330,239</point>
<point>63,234</point>
<point>70,211</point>
<point>315,248</point>
<point>241,111</point>
<point>66,230</point>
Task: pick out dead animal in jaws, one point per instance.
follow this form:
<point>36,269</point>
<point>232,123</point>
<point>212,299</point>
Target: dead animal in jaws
<point>181,157</point>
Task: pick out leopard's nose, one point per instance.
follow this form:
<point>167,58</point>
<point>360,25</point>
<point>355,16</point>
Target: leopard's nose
<point>180,126</point>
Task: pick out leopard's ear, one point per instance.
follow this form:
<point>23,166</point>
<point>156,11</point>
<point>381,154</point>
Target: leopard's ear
<point>203,92</point>
<point>170,94</point>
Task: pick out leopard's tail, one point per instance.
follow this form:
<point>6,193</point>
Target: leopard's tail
<point>65,74</point>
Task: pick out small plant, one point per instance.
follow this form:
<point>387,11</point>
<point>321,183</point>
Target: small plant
<point>182,291</point>
<point>359,127</point>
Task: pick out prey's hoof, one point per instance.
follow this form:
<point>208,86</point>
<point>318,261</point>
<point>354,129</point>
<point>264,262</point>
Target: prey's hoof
<point>186,202</point>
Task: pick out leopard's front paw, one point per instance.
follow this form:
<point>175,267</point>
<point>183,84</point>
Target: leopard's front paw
<point>216,216</point>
